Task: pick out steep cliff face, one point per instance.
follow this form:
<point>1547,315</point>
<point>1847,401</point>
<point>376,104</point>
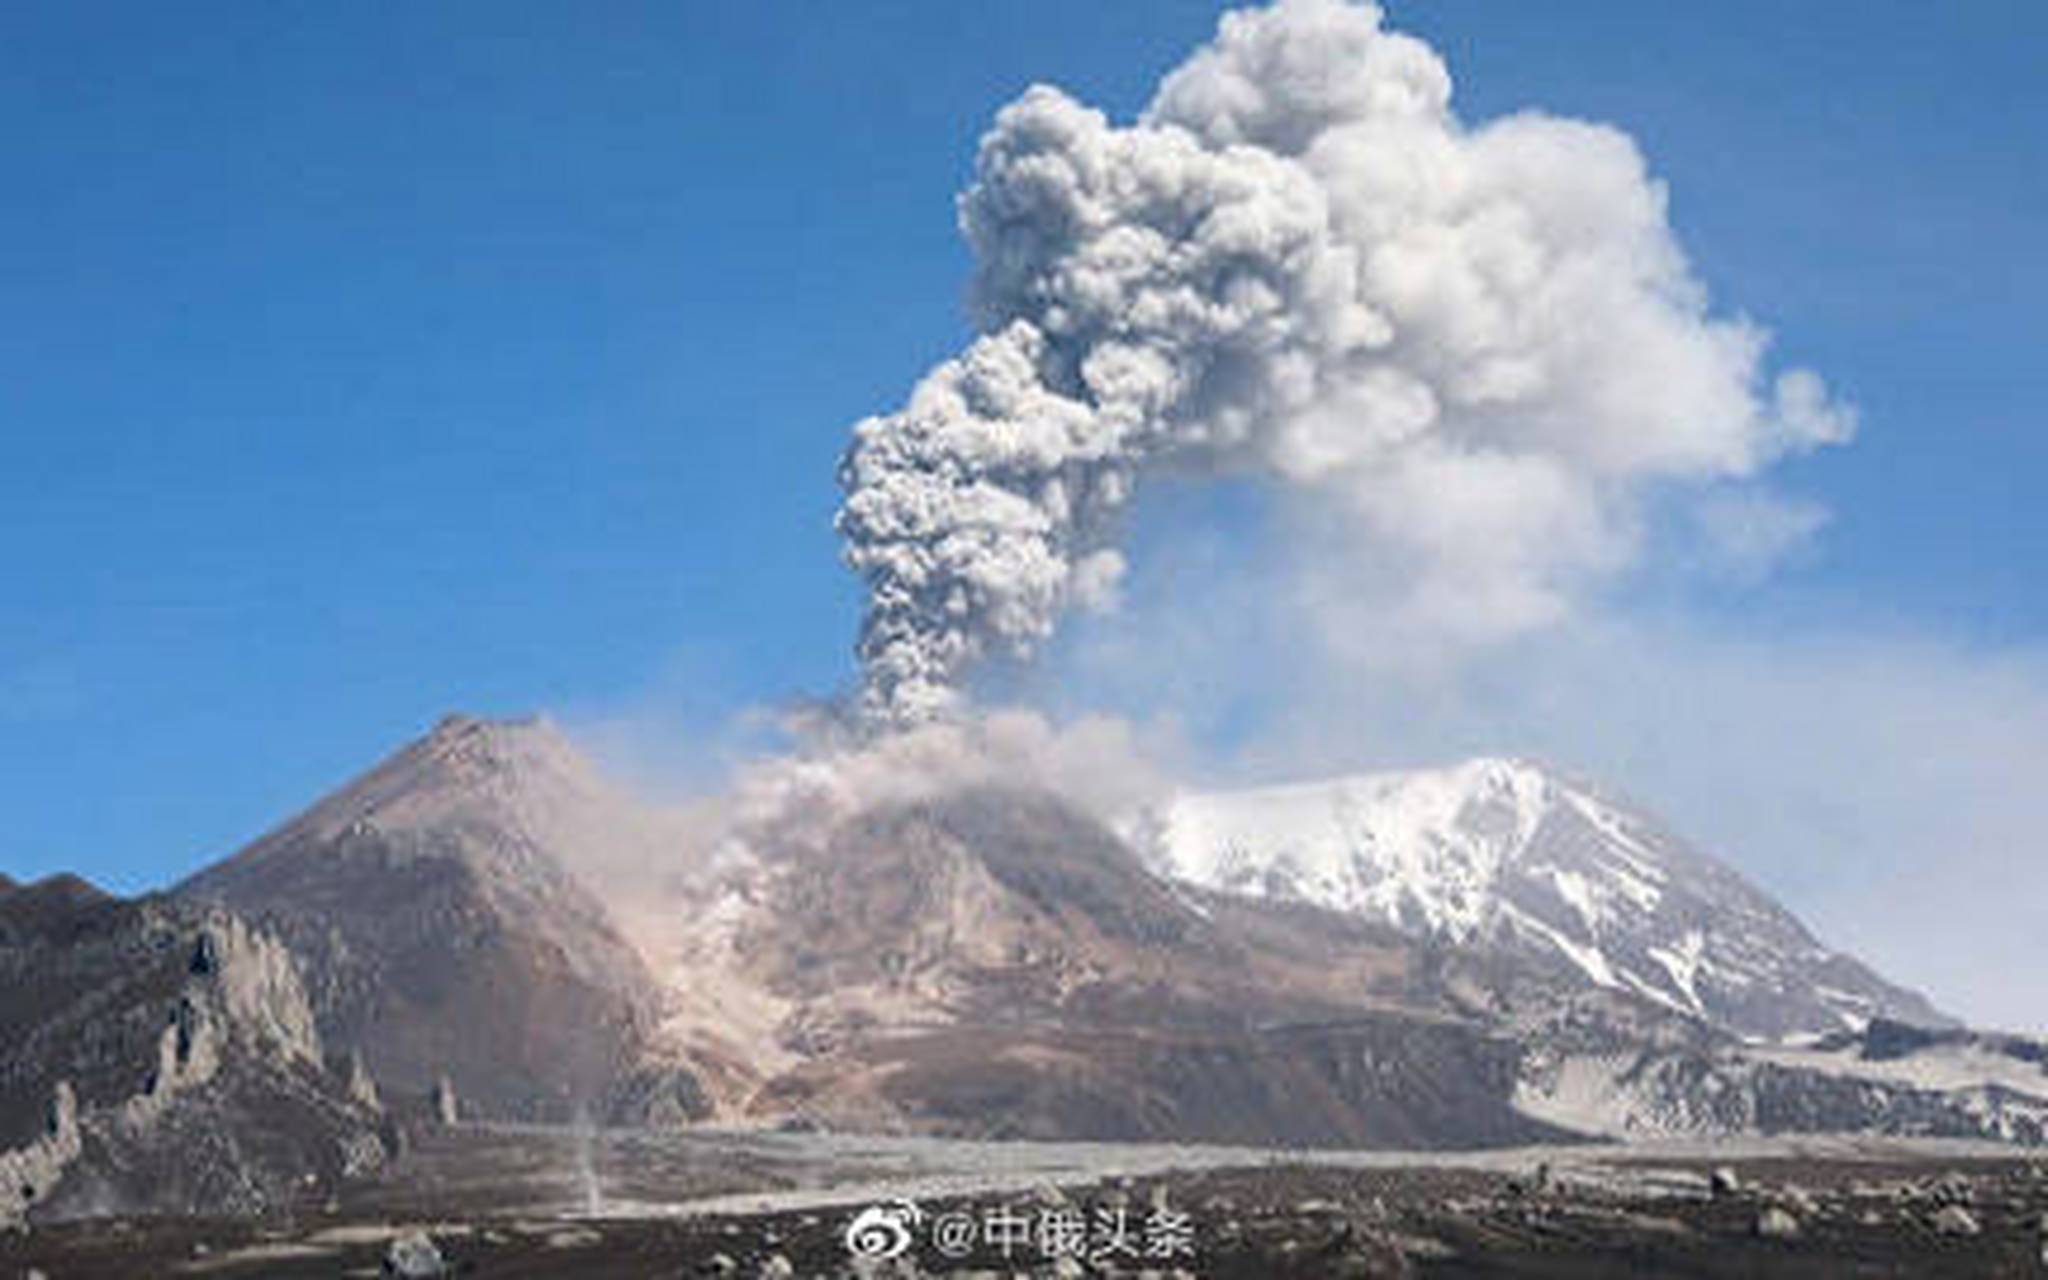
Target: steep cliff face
<point>30,1172</point>
<point>442,935</point>
<point>161,1057</point>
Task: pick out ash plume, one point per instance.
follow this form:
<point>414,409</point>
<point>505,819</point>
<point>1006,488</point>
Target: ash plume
<point>1480,344</point>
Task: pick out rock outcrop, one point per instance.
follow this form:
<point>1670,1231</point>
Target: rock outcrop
<point>29,1173</point>
<point>161,1057</point>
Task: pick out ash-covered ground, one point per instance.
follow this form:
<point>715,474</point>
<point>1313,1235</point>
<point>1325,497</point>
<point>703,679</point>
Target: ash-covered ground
<point>542,1202</point>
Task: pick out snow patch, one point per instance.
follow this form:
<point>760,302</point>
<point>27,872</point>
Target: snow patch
<point>1588,959</point>
<point>1683,964</point>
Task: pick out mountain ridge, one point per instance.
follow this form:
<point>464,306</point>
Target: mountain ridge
<point>442,932</point>
<point>1506,852</point>
<point>980,961</point>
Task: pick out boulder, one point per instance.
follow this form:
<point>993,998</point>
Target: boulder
<point>1775,1223</point>
<point>413,1255</point>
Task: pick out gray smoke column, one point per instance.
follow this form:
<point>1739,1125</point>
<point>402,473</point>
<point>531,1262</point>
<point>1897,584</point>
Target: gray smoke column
<point>1481,344</point>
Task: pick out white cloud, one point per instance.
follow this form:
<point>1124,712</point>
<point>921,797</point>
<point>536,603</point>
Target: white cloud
<point>1746,533</point>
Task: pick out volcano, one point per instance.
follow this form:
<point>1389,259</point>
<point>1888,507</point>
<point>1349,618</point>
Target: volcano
<point>1518,858</point>
<point>1491,954</point>
<point>437,925</point>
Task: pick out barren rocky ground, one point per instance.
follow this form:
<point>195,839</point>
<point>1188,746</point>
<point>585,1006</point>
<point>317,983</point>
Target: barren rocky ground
<point>537,1202</point>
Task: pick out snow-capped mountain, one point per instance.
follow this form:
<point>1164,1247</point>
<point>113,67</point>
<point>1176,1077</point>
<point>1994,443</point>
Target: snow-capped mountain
<point>1491,954</point>
<point>1509,854</point>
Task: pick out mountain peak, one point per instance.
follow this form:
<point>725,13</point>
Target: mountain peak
<point>516,744</point>
<point>59,887</point>
<point>1419,848</point>
<point>449,873</point>
<point>514,772</point>
<point>459,727</point>
<point>1509,852</point>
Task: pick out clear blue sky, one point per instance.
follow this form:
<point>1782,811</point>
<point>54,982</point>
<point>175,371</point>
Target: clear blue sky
<point>361,362</point>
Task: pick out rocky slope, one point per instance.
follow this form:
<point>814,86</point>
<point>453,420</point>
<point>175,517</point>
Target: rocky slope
<point>1512,857</point>
<point>1590,1071</point>
<point>1482,956</point>
<point>993,963</point>
<point>431,907</point>
<point>1524,958</point>
<point>159,1057</point>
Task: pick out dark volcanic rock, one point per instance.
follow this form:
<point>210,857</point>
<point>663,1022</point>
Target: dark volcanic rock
<point>1269,1219</point>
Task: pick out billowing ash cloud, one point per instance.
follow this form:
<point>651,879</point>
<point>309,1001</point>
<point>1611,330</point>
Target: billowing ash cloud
<point>1482,344</point>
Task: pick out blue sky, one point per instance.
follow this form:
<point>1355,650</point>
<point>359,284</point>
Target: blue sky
<point>359,363</point>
